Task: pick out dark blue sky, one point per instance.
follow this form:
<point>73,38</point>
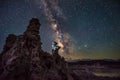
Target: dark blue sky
<point>93,24</point>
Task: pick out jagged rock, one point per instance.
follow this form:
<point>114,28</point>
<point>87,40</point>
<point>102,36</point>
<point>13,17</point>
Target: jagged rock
<point>24,59</point>
<point>9,42</point>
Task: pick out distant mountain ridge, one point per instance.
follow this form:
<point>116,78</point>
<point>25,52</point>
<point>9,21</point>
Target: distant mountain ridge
<point>92,61</point>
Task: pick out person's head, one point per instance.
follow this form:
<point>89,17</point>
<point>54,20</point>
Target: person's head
<point>54,43</point>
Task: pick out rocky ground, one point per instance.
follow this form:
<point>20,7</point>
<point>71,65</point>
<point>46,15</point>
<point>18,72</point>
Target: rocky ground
<point>96,69</point>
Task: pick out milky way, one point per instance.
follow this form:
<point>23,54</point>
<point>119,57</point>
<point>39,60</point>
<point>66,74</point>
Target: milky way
<point>62,38</point>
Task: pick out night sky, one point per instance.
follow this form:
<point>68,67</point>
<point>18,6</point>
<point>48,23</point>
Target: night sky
<point>94,25</point>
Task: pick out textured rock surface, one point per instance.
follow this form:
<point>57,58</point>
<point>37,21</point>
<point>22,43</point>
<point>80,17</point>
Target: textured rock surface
<point>24,59</point>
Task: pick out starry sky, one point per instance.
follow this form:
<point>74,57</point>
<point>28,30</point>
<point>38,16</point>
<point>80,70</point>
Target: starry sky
<point>94,25</point>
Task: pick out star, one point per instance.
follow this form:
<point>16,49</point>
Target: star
<point>86,46</point>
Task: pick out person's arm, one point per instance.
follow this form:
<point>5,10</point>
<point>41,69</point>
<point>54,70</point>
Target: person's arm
<point>58,47</point>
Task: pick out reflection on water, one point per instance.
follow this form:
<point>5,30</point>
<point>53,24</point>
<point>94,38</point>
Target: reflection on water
<point>106,74</point>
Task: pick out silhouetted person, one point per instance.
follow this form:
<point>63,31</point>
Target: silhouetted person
<point>55,47</point>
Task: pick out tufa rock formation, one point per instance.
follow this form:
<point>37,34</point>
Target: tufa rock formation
<point>24,59</point>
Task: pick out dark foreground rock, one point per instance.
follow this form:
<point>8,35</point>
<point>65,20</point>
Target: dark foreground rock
<point>23,58</point>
